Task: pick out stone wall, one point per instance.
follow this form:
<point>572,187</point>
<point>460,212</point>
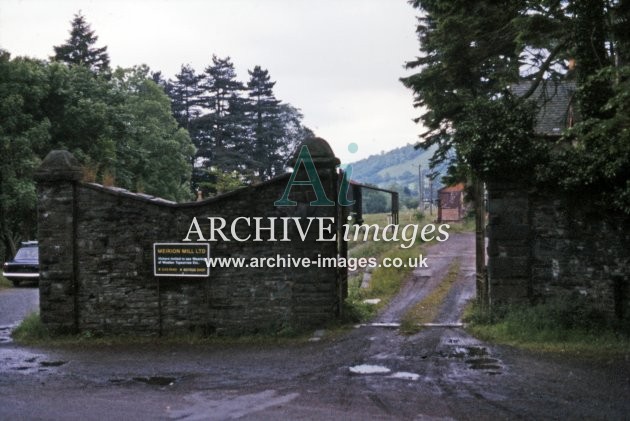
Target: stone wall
<point>543,245</point>
<point>96,258</point>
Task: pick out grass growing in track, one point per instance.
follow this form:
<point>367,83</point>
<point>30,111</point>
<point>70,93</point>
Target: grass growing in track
<point>426,310</point>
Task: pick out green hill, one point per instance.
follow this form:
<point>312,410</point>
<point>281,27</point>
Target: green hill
<point>398,167</point>
<point>396,170</point>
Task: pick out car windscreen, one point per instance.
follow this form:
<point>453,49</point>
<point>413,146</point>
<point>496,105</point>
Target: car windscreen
<point>27,253</point>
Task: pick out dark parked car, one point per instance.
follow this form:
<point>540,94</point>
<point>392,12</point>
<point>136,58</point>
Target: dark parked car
<point>25,265</point>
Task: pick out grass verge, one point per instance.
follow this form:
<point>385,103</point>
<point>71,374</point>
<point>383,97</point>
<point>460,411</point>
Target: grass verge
<point>465,225</point>
<point>4,282</point>
<point>30,330</point>
<point>385,282</point>
<point>427,309</point>
<point>573,326</point>
<point>33,332</point>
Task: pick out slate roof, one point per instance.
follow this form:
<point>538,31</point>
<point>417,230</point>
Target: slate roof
<point>557,105</point>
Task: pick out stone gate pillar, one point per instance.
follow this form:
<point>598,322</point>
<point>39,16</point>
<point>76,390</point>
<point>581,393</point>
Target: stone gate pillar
<point>509,244</point>
<point>56,217</point>
<point>319,298</point>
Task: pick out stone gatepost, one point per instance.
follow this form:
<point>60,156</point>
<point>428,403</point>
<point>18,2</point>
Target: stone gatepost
<point>56,216</point>
<point>509,244</point>
<point>316,301</point>
<point>326,163</point>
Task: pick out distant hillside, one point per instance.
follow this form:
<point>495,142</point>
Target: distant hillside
<point>398,167</point>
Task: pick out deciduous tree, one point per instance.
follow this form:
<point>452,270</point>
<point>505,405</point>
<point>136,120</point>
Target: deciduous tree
<point>24,134</point>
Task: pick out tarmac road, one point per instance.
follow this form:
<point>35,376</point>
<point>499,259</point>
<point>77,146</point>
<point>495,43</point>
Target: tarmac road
<point>15,304</point>
<point>367,373</point>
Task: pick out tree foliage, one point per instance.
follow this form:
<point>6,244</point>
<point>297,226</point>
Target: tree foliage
<point>264,114</point>
<point>79,49</point>
<point>152,153</point>
<point>118,124</point>
<point>125,130</point>
<point>495,138</point>
<point>473,52</point>
<point>598,163</point>
<point>375,201</point>
<point>24,133</point>
<point>468,52</point>
<point>185,92</point>
<point>234,126</point>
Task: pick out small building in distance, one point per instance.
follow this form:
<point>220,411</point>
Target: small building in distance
<point>451,206</point>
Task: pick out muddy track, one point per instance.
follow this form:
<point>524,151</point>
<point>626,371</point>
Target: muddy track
<point>423,280</point>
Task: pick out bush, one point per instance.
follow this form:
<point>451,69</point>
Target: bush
<point>572,323</point>
<point>576,312</point>
<point>4,282</point>
<point>573,312</point>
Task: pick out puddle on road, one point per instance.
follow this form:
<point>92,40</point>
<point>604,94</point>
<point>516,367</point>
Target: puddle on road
<point>22,360</point>
<point>381,369</point>
<point>17,362</point>
<point>484,364</point>
<point>161,381</point>
<point>51,363</point>
<point>404,375</point>
<point>369,369</point>
<point>476,357</point>
<point>155,380</point>
<point>477,351</point>
<point>5,334</point>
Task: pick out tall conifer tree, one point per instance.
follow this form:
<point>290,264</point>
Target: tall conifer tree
<point>185,93</point>
<point>79,49</point>
<point>220,130</point>
<point>267,129</point>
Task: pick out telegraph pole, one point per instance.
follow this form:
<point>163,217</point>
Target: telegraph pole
<point>431,196</point>
<point>421,188</point>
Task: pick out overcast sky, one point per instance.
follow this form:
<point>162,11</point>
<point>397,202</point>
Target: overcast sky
<point>339,61</point>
